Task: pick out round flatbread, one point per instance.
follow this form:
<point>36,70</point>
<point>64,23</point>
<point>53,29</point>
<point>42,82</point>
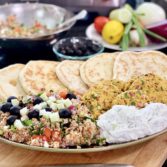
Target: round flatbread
<point>69,74</point>
<point>128,64</point>
<point>83,76</point>
<point>98,68</point>
<point>9,85</point>
<point>39,76</point>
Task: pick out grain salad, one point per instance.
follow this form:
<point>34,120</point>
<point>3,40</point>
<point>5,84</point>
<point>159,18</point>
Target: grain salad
<point>49,120</point>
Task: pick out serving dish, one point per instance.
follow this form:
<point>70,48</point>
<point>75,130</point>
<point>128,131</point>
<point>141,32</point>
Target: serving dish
<point>78,45</point>
<point>79,106</point>
<point>84,150</point>
<point>27,14</point>
<point>92,34</point>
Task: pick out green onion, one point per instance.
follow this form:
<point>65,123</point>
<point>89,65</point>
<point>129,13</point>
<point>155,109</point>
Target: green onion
<point>139,30</point>
<point>125,39</point>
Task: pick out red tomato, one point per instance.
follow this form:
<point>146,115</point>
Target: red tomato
<point>63,94</point>
<point>48,132</point>
<point>38,137</point>
<point>99,23</point>
<point>56,135</point>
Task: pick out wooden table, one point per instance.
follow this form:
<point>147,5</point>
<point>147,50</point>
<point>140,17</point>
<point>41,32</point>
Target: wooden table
<point>149,154</point>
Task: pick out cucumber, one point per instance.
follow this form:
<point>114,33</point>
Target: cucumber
<point>52,98</point>
<point>43,105</point>
<point>67,103</point>
<point>37,106</point>
<point>44,96</point>
<point>54,117</point>
<point>53,106</point>
<point>60,106</point>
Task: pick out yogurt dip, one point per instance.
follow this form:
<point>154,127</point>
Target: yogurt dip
<point>126,123</point>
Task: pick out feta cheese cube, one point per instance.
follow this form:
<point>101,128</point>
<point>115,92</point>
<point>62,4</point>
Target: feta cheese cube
<point>18,124</point>
<point>24,111</point>
<point>54,117</point>
<point>15,102</point>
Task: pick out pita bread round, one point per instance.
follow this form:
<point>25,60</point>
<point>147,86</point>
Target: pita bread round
<point>98,68</point>
<point>39,76</point>
<point>69,74</point>
<point>129,64</point>
<point>9,85</point>
<point>82,74</point>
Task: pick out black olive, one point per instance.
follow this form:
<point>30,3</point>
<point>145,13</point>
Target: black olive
<point>65,113</point>
<point>67,125</point>
<point>48,109</point>
<point>70,96</point>
<point>33,114</point>
<point>37,100</point>
<point>15,110</point>
<point>6,107</point>
<point>10,98</point>
<point>11,119</point>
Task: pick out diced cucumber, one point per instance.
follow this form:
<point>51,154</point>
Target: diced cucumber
<point>18,124</point>
<point>53,106</point>
<point>52,98</point>
<point>15,102</point>
<point>60,101</point>
<point>60,106</point>
<point>43,105</point>
<point>67,103</point>
<point>37,106</point>
<point>54,117</point>
<point>44,96</point>
<point>49,102</point>
<point>24,111</point>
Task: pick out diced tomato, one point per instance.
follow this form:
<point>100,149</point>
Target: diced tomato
<point>38,25</point>
<point>44,138</point>
<point>38,137</point>
<point>63,94</point>
<point>48,132</point>
<point>56,135</point>
<point>35,136</point>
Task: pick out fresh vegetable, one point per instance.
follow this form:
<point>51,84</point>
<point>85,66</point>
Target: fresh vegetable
<point>139,38</point>
<point>63,94</point>
<point>48,132</point>
<point>150,13</point>
<point>113,31</point>
<point>99,23</point>
<point>135,38</point>
<point>123,15</point>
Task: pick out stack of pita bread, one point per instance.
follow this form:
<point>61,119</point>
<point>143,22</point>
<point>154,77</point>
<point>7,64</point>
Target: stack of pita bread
<point>38,76</point>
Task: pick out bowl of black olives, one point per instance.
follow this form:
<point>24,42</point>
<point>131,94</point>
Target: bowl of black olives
<point>76,48</point>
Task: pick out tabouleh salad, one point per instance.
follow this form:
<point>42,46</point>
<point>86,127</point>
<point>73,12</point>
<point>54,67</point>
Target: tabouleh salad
<point>49,120</point>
